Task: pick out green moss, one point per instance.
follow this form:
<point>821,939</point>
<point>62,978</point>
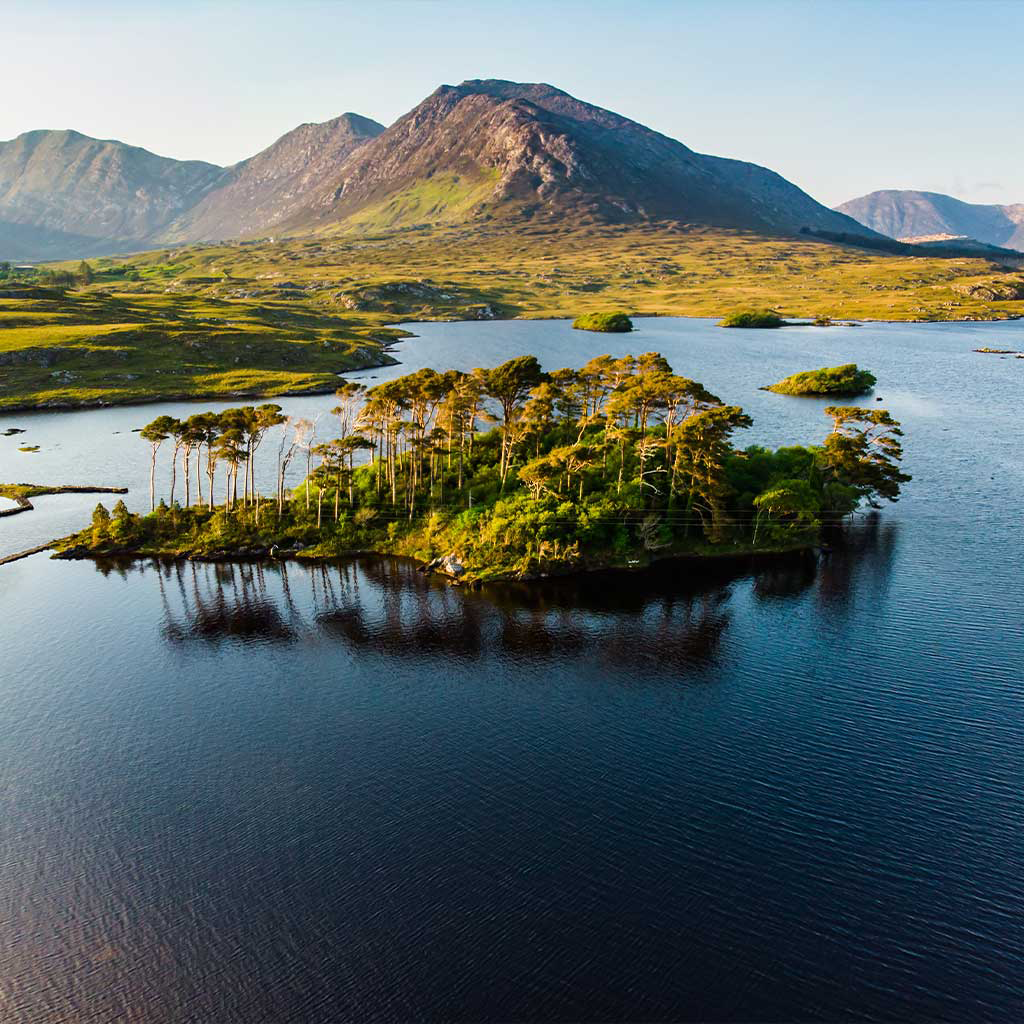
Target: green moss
<point>844,380</point>
<point>610,323</point>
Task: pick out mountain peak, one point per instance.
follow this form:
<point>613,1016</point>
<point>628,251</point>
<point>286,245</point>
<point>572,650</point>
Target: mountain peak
<point>492,147</point>
<point>81,195</point>
<point>908,213</point>
<point>264,190</point>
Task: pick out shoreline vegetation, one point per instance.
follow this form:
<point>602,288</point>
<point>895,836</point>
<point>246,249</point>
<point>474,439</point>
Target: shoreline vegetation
<point>846,381</point>
<point>241,320</point>
<point>504,473</point>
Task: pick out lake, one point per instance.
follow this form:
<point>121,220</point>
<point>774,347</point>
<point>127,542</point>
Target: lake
<point>267,793</point>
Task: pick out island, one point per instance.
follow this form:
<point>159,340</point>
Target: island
<point>612,465</point>
<point>607,323</point>
<point>757,318</point>
<point>846,380</point>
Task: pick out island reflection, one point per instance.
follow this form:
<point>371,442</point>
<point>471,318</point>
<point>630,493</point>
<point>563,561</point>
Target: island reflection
<point>673,617</point>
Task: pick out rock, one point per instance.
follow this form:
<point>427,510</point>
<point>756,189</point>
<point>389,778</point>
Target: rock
<point>448,565</point>
<point>993,290</point>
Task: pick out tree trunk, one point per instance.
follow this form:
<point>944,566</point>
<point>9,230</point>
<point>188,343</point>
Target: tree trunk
<point>174,471</point>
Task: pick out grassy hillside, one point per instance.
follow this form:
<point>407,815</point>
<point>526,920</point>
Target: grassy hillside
<point>284,316</point>
<point>107,347</point>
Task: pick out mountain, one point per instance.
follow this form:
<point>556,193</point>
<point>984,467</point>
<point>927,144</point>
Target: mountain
<point>481,150</point>
<point>907,214</point>
<point>495,148</point>
<point>258,193</point>
<point>65,194</point>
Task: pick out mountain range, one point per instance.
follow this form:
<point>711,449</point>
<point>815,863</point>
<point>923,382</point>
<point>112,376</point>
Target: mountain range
<point>483,150</point>
<point>917,216</point>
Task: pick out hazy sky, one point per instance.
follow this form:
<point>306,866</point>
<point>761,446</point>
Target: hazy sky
<point>840,97</point>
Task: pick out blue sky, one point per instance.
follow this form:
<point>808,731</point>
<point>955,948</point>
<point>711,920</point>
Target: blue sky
<point>840,97</point>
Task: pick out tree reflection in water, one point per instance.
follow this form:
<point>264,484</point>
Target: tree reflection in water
<point>669,618</point>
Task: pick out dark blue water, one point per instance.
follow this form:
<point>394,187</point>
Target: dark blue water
<point>255,794</point>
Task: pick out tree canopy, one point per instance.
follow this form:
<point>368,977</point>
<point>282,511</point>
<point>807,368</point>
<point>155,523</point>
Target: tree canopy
<point>513,469</point>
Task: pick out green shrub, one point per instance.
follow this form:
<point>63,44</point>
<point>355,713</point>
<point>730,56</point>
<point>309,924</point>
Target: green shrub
<point>753,318</point>
<point>610,323</point>
<point>829,380</point>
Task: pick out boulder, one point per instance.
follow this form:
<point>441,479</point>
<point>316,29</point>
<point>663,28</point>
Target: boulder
<point>448,565</point>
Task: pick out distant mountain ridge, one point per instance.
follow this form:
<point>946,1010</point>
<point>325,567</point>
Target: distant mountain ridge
<point>907,214</point>
<point>483,149</point>
<point>65,194</point>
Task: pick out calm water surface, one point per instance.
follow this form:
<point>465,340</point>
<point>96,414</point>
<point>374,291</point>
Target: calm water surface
<point>253,793</point>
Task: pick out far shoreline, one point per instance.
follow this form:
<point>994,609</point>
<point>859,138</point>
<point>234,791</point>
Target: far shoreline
<point>327,389</point>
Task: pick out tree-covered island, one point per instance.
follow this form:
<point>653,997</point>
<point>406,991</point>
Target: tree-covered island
<point>846,381</point>
<point>606,323</point>
<point>754,318</point>
<point>500,473</point>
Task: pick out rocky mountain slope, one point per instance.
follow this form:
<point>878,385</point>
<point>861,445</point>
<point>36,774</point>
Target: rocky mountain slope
<point>492,148</point>
<point>259,193</point>
<point>65,194</point>
<point>907,214</point>
<point>483,150</point>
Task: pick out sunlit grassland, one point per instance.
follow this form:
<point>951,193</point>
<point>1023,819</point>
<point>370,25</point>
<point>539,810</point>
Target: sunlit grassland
<point>441,199</point>
<point>94,346</point>
<point>289,315</point>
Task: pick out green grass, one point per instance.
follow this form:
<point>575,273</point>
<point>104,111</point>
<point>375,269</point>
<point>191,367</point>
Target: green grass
<point>212,320</point>
<point>441,199</point>
<point>93,346</point>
